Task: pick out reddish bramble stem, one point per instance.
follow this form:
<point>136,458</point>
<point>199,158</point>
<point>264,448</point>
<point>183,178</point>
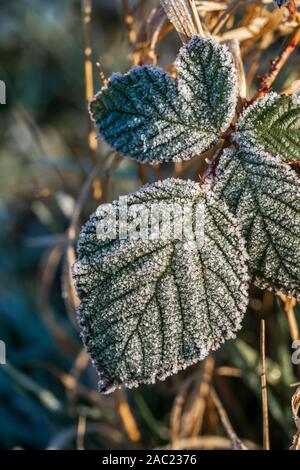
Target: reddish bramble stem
<point>278,63</point>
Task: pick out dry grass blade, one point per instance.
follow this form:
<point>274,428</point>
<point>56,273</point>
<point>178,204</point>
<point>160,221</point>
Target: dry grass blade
<point>69,293</point>
<point>149,35</point>
<point>294,87</point>
<point>200,404</point>
<point>81,429</point>
<point>129,20</point>
<point>289,305</point>
<point>127,417</point>
<point>101,74</point>
<point>206,6</point>
<point>66,438</point>
<point>68,290</point>
<point>245,34</point>
<point>107,183</point>
<point>30,386</point>
<point>80,364</point>
<point>103,406</point>
<point>196,18</point>
<point>183,15</point>
<point>176,413</point>
<point>156,27</point>
<point>226,371</point>
<point>88,67</point>
<point>266,431</point>
<point>89,87</point>
<point>48,273</point>
<point>295,409</point>
<point>192,418</point>
<point>205,443</point>
<point>225,16</point>
<point>236,442</point>
<point>234,47</point>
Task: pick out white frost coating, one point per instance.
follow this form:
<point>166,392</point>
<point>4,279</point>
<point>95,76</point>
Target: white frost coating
<point>214,80</point>
<point>264,195</point>
<point>149,309</point>
<point>147,115</point>
<point>271,124</point>
<point>260,103</point>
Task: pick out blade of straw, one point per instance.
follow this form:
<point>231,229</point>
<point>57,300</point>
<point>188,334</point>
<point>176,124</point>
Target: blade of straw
<point>183,15</point>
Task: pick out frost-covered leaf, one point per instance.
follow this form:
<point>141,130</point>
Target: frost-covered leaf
<point>151,117</point>
<point>272,124</point>
<point>264,195</point>
<point>152,307</point>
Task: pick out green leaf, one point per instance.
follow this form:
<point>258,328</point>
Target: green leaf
<point>271,124</point>
<point>150,308</point>
<point>264,195</point>
<point>151,117</point>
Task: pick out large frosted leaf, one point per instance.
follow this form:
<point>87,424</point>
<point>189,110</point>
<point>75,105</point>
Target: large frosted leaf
<point>272,124</point>
<point>264,195</point>
<point>151,117</point>
<point>151,308</point>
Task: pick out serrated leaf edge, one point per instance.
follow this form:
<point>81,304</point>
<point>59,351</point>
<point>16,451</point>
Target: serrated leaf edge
<point>240,135</point>
<point>196,150</point>
<point>261,282</point>
<point>230,334</point>
<point>232,74</point>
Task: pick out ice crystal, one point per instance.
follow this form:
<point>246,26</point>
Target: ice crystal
<point>147,115</point>
<point>152,307</point>
<point>272,124</point>
<point>264,195</point>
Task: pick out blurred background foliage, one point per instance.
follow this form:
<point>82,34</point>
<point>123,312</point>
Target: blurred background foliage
<point>48,388</point>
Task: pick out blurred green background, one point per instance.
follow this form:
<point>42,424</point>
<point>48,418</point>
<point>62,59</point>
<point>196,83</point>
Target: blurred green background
<point>43,163</point>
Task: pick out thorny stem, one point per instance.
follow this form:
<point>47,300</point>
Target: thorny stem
<point>278,63</point>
